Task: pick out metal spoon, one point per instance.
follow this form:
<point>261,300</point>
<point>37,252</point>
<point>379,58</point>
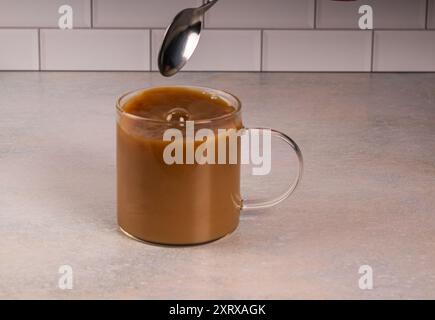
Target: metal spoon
<point>181,39</point>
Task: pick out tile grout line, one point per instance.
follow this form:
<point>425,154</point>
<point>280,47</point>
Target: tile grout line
<point>92,14</point>
<point>39,49</point>
<point>221,28</point>
<point>426,23</point>
<point>261,49</point>
<point>315,15</point>
<point>150,49</point>
<point>372,51</point>
<point>203,18</point>
<point>216,71</point>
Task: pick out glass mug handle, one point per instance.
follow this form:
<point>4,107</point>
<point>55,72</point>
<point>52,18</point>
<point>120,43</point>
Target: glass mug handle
<point>260,204</point>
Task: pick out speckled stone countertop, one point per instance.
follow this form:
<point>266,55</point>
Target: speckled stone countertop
<point>367,195</point>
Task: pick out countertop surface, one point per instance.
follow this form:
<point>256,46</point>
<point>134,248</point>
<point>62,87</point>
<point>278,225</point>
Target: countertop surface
<point>367,196</point>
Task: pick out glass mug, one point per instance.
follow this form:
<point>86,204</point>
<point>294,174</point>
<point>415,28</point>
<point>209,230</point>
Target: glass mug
<point>180,204</point>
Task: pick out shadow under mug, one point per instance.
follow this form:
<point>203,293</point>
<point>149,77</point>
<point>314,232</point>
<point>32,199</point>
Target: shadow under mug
<point>180,204</point>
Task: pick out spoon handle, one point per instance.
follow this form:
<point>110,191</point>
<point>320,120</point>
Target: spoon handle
<point>202,9</point>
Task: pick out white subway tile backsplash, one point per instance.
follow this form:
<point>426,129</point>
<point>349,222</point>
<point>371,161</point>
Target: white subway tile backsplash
<point>239,35</point>
<point>138,13</point>
<point>220,50</point>
<point>309,50</point>
<point>387,14</point>
<point>404,51</point>
<point>42,13</point>
<point>19,49</point>
<point>431,15</point>
<point>95,49</point>
<point>261,14</point>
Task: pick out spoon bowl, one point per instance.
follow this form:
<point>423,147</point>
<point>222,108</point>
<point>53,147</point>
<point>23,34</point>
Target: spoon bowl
<point>181,39</point>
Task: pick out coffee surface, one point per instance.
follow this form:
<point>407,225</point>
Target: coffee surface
<point>178,103</point>
<point>178,203</point>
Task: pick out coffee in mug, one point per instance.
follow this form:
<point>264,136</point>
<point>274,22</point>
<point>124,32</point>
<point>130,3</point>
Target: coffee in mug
<point>178,165</point>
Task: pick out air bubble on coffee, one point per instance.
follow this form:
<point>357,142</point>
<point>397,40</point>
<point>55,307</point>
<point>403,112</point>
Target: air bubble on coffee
<point>177,115</point>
